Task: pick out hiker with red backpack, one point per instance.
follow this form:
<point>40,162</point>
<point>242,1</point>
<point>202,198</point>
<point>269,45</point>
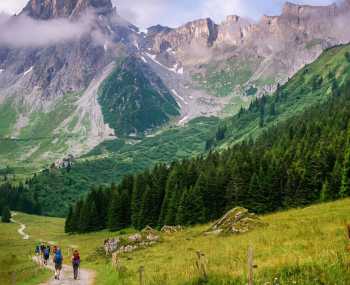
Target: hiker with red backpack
<point>58,260</point>
<point>75,263</point>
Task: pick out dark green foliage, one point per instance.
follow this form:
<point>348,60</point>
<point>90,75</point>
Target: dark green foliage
<point>345,175</point>
<point>18,198</point>
<point>69,224</point>
<point>191,208</point>
<point>134,99</point>
<point>293,164</point>
<point>6,215</point>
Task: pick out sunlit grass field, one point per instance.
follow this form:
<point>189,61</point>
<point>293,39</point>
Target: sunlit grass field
<point>302,246</point>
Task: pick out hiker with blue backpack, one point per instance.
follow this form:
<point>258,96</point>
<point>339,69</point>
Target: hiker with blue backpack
<point>75,263</point>
<point>46,254</point>
<point>58,260</point>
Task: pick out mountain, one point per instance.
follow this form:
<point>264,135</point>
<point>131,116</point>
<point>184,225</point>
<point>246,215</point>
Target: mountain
<point>239,57</point>
<point>50,89</point>
<point>315,84</point>
<point>62,88</point>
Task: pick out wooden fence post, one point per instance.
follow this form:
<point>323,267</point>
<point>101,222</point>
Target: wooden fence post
<point>201,264</point>
<point>141,275</point>
<point>13,278</point>
<point>250,265</point>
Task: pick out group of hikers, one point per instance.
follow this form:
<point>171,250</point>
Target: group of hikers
<point>44,252</point>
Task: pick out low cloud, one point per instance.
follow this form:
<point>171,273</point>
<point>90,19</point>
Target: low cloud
<point>23,31</point>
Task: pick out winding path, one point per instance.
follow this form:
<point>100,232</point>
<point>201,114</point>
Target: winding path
<point>21,229</point>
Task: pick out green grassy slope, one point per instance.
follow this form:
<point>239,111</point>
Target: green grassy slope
<point>302,246</point>
<point>38,143</point>
<point>134,99</point>
<point>313,84</point>
<point>221,78</point>
<point>57,189</point>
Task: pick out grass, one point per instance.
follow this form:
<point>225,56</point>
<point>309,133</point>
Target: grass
<point>298,94</point>
<point>301,246</point>
<point>221,78</point>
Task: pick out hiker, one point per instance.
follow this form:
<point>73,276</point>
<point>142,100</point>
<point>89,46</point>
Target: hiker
<point>75,263</point>
<point>54,250</point>
<point>58,260</point>
<point>46,255</point>
<point>37,250</point>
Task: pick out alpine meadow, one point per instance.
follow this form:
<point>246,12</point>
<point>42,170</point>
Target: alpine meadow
<point>174,143</point>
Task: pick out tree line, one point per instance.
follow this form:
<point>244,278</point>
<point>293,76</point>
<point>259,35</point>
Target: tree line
<point>18,198</point>
<point>301,161</point>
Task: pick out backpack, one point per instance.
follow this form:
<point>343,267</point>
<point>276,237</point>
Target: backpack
<point>76,259</point>
<point>46,253</point>
<point>58,257</point>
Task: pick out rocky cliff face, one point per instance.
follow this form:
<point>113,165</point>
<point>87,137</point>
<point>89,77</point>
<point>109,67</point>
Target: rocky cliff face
<point>203,32</point>
<point>48,9</point>
<point>277,45</point>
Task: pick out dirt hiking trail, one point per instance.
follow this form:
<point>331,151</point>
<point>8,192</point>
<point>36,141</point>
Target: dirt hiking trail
<point>85,277</point>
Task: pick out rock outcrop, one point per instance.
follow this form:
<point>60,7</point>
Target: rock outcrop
<point>238,220</point>
<point>119,245</point>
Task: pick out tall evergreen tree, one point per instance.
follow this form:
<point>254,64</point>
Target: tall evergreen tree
<point>345,178</point>
<point>69,224</point>
<point>191,208</point>
<point>6,215</point>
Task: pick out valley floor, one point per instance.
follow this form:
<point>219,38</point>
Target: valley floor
<point>302,246</point>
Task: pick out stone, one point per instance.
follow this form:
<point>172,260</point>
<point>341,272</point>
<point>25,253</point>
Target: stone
<point>237,221</point>
<point>171,229</point>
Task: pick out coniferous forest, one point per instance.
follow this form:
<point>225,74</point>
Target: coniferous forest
<point>17,198</point>
<point>301,161</point>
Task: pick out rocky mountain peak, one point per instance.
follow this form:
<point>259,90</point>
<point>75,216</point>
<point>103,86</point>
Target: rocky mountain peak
<point>49,9</point>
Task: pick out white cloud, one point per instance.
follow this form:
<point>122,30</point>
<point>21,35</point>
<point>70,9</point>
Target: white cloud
<point>12,6</point>
<point>23,31</point>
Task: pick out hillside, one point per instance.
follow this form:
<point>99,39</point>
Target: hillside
<point>302,246</point>
<point>135,100</point>
<point>316,83</point>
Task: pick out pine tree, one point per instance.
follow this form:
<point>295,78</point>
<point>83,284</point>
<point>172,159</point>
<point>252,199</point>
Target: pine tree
<point>345,178</point>
<point>325,194</point>
<point>114,212</point>
<point>6,215</point>
<point>68,226</point>
<point>136,200</point>
<point>76,222</point>
<point>191,208</point>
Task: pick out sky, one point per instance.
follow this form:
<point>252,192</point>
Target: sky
<point>145,13</point>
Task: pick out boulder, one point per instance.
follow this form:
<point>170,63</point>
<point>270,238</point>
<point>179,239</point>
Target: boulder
<point>236,221</point>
